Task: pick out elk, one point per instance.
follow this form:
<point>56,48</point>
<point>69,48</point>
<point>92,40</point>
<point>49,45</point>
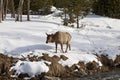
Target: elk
<point>59,38</point>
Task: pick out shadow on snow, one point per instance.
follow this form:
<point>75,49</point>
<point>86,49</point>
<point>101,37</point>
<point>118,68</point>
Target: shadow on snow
<point>32,48</point>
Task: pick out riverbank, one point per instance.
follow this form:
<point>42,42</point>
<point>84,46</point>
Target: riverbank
<point>57,71</point>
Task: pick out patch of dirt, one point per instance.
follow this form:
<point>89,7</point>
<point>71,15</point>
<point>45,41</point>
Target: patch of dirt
<point>117,61</point>
<point>5,64</point>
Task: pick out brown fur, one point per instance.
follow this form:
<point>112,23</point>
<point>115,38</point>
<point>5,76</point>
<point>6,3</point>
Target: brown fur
<point>60,38</point>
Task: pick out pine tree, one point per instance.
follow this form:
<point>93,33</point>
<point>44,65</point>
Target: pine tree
<point>76,8</point>
<point>108,8</point>
<point>81,8</point>
<point>41,5</point>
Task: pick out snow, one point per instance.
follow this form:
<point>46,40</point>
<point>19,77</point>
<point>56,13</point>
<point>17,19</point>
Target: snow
<point>32,68</point>
<point>101,35</point>
<point>75,58</point>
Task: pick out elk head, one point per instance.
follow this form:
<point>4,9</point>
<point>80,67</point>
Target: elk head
<point>50,38</point>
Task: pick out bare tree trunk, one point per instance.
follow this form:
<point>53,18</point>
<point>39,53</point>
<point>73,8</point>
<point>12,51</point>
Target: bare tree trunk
<point>28,10</point>
<point>13,9</point>
<point>65,19</point>
<point>6,8</point>
<point>18,12</point>
<point>21,9</point>
<point>1,10</point>
<point>19,15</point>
<point>77,21</point>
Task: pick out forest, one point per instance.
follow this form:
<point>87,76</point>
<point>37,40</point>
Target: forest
<point>72,8</point>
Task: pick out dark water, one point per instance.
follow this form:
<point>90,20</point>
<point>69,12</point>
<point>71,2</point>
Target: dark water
<point>113,75</point>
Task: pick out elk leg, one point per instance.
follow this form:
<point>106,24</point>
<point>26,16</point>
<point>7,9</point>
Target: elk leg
<point>62,47</point>
<point>56,47</point>
<point>66,47</point>
<point>69,47</point>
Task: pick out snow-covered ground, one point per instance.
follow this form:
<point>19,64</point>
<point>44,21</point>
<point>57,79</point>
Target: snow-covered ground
<point>100,35</point>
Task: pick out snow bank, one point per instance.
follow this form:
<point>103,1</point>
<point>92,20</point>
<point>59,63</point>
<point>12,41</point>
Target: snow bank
<point>75,58</point>
<point>31,68</point>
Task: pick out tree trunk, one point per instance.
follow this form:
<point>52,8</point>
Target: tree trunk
<point>19,15</point>
<point>13,9</point>
<point>1,10</point>
<point>21,9</point>
<point>6,8</point>
<point>77,21</point>
<point>18,12</point>
<point>65,20</point>
<point>28,10</point>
